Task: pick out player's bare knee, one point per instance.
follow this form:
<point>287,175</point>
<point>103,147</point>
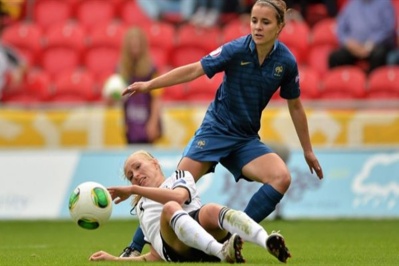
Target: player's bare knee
<point>281,181</point>
<point>170,208</point>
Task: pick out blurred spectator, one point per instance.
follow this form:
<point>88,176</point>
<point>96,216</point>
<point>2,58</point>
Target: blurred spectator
<point>366,32</point>
<point>304,6</point>
<point>12,69</point>
<point>161,9</point>
<point>393,56</point>
<point>12,66</point>
<point>142,112</point>
<point>13,9</point>
<point>207,13</point>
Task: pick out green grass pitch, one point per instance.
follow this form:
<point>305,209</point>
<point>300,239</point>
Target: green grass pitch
<point>312,242</point>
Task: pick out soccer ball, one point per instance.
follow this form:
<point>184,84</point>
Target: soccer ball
<point>113,87</point>
<point>90,205</point>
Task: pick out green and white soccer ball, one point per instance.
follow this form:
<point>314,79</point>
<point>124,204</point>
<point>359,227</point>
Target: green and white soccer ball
<point>90,205</point>
<point>113,87</point>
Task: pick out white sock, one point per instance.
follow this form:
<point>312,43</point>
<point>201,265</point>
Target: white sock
<point>239,222</point>
<point>192,234</point>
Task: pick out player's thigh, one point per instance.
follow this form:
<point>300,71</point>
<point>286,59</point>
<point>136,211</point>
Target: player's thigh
<point>208,218</point>
<point>196,168</point>
<point>167,232</point>
<point>268,168</point>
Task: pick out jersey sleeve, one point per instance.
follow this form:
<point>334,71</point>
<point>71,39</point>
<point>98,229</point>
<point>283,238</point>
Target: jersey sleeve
<point>217,60</point>
<point>185,180</point>
<point>290,86</point>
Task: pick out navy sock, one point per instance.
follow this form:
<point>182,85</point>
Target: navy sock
<point>263,203</point>
<point>138,241</point>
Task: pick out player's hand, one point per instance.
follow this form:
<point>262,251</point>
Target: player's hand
<point>314,164</point>
<point>136,87</point>
<point>119,194</point>
<point>101,255</point>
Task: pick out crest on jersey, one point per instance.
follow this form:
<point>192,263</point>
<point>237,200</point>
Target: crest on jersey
<point>201,144</point>
<point>216,52</point>
<point>278,70</point>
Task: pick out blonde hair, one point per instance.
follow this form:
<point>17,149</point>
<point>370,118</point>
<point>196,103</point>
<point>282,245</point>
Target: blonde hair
<point>148,156</point>
<point>135,65</point>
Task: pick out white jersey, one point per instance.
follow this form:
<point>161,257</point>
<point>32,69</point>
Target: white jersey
<point>149,211</point>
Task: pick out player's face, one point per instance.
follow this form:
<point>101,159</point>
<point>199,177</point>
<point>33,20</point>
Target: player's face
<point>264,27</point>
<point>135,47</point>
<point>143,171</point>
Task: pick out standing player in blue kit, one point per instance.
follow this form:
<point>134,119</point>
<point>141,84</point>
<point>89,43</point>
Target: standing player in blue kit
<point>255,67</point>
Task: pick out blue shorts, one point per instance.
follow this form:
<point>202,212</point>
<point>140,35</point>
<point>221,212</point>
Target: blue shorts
<point>233,152</point>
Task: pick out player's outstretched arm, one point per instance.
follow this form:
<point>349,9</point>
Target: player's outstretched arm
<point>105,256</point>
<point>175,76</point>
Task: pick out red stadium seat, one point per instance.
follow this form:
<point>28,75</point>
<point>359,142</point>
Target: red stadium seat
<point>208,39</point>
<point>234,30</point>
<point>159,56</point>
<point>176,93</point>
<point>318,58</point>
<point>383,83</point>
<point>64,45</point>
<point>74,87</point>
<point>35,89</point>
<point>48,13</point>
<point>132,14</point>
<point>309,82</point>
<point>324,33</point>
<point>182,55</point>
<point>203,88</point>
<point>344,82</point>
<point>26,38</point>
<point>101,61</point>
<point>296,36</point>
<point>110,35</point>
<point>59,59</point>
<point>70,35</point>
<point>91,13</point>
<point>396,7</point>
<point>162,35</point>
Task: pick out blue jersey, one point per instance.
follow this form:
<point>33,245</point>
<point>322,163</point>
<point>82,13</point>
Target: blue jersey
<point>247,86</point>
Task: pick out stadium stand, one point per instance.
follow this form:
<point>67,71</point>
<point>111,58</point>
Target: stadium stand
<point>206,38</point>
<point>383,83</point>
<point>26,38</point>
<point>92,13</point>
<point>203,88</point>
<point>110,34</point>
<point>309,82</point>
<point>35,89</point>
<point>185,54</point>
<point>234,29</point>
<point>344,82</point>
<point>324,33</point>
<point>296,36</point>
<point>131,14</point>
<point>47,13</point>
<point>59,37</point>
<point>176,93</point>
<point>63,46</point>
<point>317,58</point>
<point>74,87</point>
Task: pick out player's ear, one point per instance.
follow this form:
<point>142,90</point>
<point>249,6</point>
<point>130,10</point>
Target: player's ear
<point>280,28</point>
<point>156,162</point>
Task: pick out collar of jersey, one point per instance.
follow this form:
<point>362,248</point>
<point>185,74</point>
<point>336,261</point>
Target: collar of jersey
<point>252,46</point>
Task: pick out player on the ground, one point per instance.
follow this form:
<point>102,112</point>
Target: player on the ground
<point>178,227</point>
